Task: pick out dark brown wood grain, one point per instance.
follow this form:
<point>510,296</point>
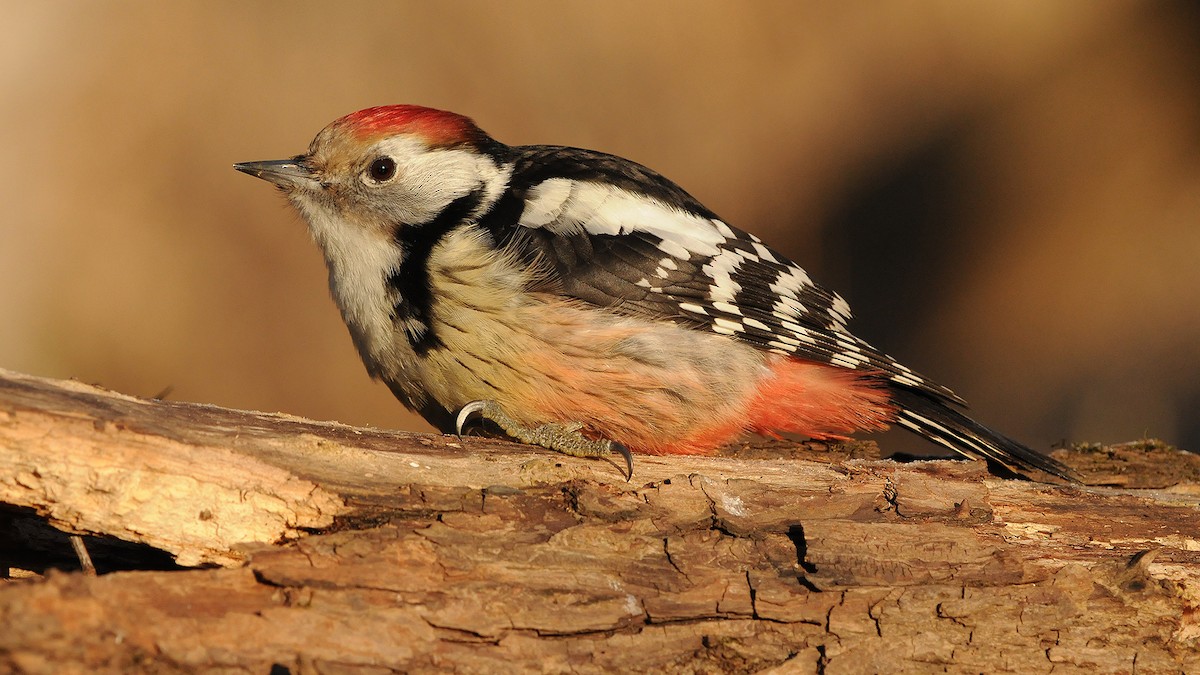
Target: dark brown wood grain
<point>316,547</point>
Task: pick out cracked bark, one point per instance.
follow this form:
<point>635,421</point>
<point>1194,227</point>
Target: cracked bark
<point>243,542</point>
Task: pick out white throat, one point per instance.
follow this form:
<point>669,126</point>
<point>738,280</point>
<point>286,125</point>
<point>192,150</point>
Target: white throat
<point>360,260</point>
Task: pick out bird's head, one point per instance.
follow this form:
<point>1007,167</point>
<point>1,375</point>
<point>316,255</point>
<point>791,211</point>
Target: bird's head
<point>386,167</point>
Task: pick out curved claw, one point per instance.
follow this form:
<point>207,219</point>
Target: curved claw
<point>558,436</point>
<point>465,414</point>
<point>623,451</point>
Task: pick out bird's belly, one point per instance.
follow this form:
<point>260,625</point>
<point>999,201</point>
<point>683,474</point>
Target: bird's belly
<point>656,386</point>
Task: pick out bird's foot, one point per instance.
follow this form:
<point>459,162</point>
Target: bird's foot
<point>565,438</point>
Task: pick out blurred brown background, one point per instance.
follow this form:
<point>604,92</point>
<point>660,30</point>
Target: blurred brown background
<point>1008,193</point>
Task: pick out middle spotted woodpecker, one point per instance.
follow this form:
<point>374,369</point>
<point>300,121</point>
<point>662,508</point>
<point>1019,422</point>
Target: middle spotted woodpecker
<point>585,303</point>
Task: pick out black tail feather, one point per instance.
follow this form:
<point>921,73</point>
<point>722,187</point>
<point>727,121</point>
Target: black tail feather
<point>937,421</point>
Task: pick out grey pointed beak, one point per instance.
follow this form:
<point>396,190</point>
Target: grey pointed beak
<point>286,173</point>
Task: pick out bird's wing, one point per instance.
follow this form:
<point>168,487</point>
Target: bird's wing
<point>615,234</point>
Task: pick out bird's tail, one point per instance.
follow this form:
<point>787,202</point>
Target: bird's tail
<point>937,421</point>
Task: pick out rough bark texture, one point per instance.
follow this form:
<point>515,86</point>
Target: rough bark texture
<point>312,547</point>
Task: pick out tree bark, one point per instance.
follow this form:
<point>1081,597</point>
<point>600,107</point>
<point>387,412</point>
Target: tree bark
<point>249,542</point>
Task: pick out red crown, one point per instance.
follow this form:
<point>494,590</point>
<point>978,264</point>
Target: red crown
<point>439,127</point>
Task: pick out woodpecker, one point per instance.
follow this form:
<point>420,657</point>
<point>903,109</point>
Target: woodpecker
<point>585,303</point>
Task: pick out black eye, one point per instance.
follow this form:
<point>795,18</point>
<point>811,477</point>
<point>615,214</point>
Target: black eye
<point>382,169</point>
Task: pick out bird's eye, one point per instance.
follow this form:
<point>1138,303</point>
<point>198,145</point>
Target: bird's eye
<point>382,169</point>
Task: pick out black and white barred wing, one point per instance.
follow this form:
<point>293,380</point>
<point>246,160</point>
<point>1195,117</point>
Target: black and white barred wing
<point>622,246</point>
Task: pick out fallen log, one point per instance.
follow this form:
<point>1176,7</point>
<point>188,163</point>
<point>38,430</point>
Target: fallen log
<point>252,542</point>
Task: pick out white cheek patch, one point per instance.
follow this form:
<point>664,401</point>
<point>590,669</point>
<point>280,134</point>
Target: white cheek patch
<point>427,181</point>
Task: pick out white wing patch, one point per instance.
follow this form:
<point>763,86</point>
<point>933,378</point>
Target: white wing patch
<point>791,283</point>
<point>565,206</point>
<point>764,252</point>
<point>721,269</point>
<point>841,310</point>
<point>545,202</point>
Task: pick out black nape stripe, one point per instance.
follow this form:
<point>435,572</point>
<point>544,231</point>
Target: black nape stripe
<point>411,281</point>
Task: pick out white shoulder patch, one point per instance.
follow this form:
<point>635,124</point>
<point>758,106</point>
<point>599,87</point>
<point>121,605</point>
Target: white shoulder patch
<point>566,207</point>
<point>545,202</point>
